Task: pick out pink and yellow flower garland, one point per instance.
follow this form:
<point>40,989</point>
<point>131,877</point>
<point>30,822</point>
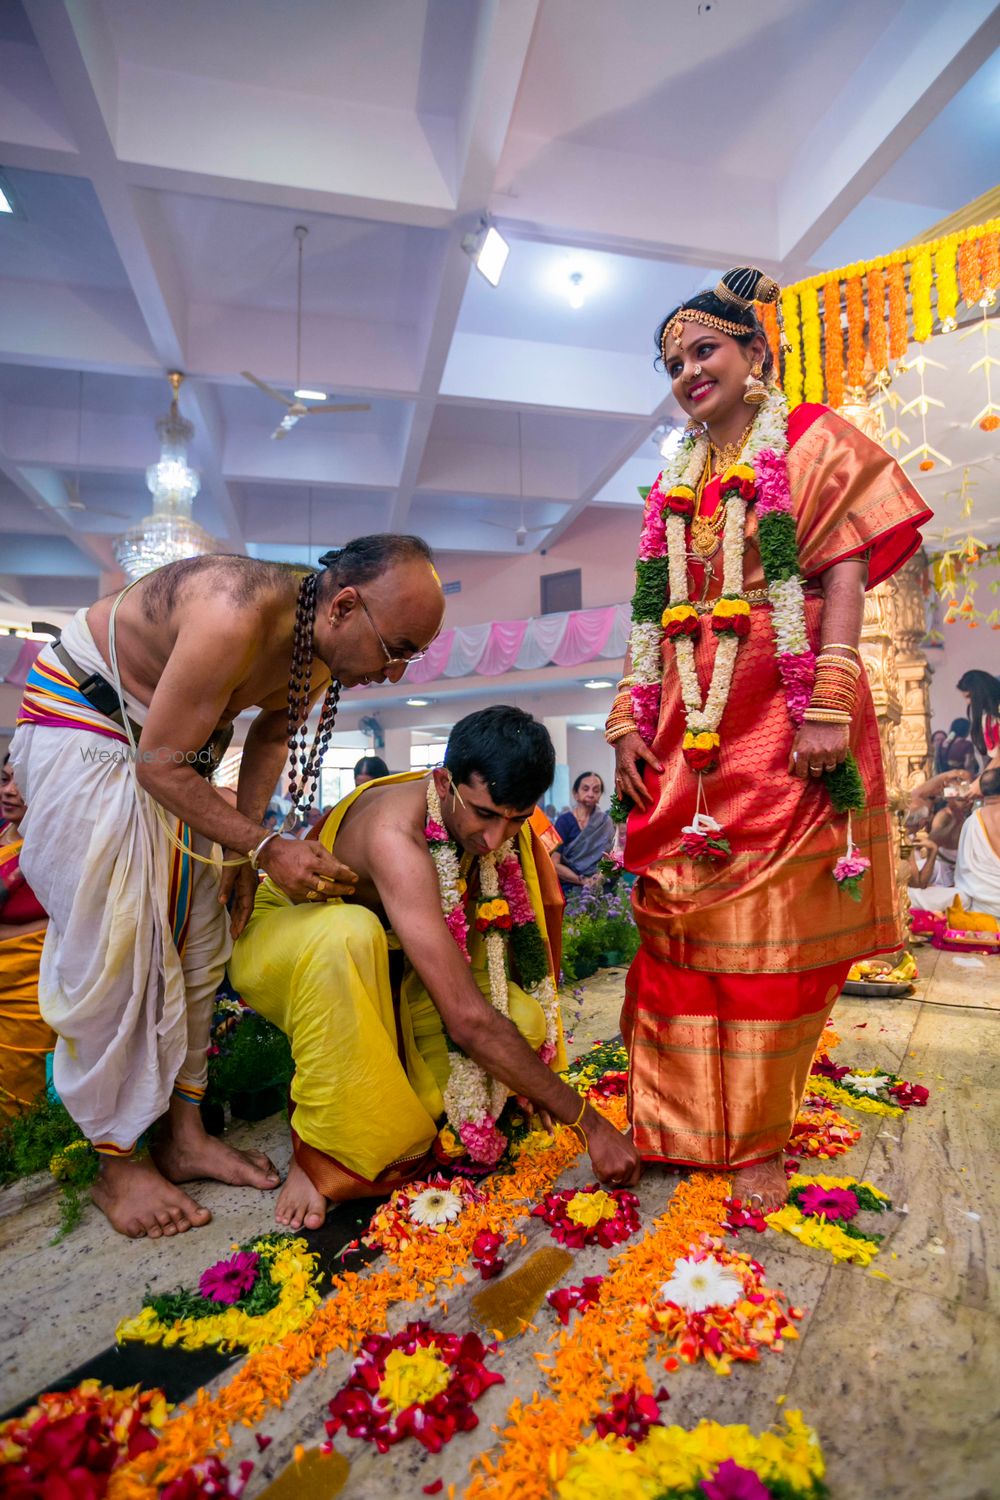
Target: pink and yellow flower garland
<point>661,569</point>
<point>473,1100</point>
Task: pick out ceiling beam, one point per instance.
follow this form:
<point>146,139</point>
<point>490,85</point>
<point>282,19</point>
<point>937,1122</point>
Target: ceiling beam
<point>80,57</point>
<point>500,51</point>
<point>927,53</point>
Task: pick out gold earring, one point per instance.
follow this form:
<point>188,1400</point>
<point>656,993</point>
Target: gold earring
<point>756,390</point>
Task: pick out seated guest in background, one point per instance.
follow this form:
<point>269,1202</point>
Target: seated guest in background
<point>587,833</point>
<point>958,752</point>
<point>977,872</point>
<point>369,768</point>
<point>374,1076</point>
<point>937,752</point>
<point>929,882</point>
<point>25,1040</point>
<point>950,796</point>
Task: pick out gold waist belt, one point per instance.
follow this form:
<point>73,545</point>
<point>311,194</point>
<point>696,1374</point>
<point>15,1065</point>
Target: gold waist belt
<point>752,597</point>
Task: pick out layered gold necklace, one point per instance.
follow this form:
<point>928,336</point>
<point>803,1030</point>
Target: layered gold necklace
<point>707,530</point>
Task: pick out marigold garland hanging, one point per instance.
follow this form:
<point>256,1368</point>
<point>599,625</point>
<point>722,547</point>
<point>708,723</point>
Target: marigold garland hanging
<point>768,314</point>
<point>812,345</point>
<point>792,380</point>
<point>970,278</point>
<point>947,285</point>
<point>878,334</point>
<point>990,264</point>
<point>854,296</point>
<point>921,280</point>
<point>833,344</point>
<point>898,335</point>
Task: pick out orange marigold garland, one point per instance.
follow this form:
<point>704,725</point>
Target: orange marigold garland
<point>990,263</point>
<point>970,278</point>
<point>811,345</point>
<point>878,339</point>
<point>854,297</point>
<point>603,1352</point>
<point>920,295</point>
<point>898,333</point>
<point>833,344</point>
<point>768,314</point>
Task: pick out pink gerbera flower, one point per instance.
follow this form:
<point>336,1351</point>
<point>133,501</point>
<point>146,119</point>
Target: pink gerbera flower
<point>732,1482</point>
<point>228,1280</point>
<point>832,1203</point>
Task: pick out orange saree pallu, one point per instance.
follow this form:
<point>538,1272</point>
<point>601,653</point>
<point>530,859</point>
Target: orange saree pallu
<point>740,963</point>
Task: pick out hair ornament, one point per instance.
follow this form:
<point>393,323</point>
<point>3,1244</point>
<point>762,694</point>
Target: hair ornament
<point>745,285</point>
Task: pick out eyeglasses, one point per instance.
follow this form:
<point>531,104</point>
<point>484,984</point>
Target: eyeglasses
<point>390,660</point>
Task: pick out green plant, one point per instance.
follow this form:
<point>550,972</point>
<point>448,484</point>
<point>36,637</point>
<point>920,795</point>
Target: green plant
<point>248,1056</point>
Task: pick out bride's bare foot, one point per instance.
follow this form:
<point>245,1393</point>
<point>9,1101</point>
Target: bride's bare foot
<point>184,1151</point>
<point>763,1185</point>
<point>136,1200</point>
<point>300,1205</point>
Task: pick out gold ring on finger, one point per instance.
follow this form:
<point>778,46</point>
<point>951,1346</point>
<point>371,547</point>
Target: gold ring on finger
<point>312,895</point>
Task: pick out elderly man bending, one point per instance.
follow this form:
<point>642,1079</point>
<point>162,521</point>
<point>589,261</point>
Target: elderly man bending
<point>450,873</point>
<point>119,728</point>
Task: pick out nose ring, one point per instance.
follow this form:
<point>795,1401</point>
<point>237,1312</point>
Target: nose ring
<point>697,369</point>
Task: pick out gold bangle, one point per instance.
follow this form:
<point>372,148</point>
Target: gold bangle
<point>841,646</point>
<point>612,736</point>
<point>626,682</point>
<point>825,716</point>
<point>839,664</point>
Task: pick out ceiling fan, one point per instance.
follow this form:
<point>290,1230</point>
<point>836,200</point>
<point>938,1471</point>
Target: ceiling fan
<point>296,406</point>
<point>74,501</point>
<point>522,531</point>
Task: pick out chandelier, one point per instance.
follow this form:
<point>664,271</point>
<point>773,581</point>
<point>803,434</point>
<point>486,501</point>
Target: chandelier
<point>169,534</point>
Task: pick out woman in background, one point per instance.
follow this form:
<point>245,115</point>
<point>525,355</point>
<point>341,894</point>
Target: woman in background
<point>981,691</point>
<point>25,1039</point>
<point>370,768</point>
<point>587,834</point>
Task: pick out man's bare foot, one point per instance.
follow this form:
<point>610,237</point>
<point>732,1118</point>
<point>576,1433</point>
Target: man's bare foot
<point>184,1151</point>
<point>763,1185</point>
<point>300,1205</point>
<point>136,1200</point>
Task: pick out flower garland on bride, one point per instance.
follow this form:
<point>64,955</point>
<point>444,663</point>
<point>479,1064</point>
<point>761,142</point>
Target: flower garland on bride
<point>662,609</point>
<point>504,914</point>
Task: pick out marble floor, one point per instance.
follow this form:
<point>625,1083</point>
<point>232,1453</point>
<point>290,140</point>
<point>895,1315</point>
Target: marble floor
<point>897,1367</point>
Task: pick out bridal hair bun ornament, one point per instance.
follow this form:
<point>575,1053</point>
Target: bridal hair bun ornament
<point>740,288</point>
<point>745,285</point>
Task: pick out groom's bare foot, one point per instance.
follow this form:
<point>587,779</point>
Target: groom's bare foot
<point>184,1152</point>
<point>300,1205</point>
<point>137,1200</point>
<point>763,1185</point>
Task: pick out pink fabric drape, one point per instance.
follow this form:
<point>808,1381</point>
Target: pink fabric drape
<point>490,650</point>
<point>587,631</point>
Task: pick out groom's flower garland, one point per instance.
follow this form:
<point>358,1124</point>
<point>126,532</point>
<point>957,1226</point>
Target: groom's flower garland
<point>662,577</point>
<point>473,1100</point>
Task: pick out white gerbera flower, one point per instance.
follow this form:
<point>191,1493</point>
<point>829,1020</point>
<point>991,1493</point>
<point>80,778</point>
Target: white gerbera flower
<point>700,1284</point>
<point>435,1206</point>
<point>865,1085</point>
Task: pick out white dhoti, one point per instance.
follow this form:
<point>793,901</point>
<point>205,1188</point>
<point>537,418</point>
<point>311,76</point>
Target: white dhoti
<point>977,869</point>
<point>136,943</point>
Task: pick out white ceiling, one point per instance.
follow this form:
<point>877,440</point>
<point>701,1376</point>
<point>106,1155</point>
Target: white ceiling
<point>161,156</point>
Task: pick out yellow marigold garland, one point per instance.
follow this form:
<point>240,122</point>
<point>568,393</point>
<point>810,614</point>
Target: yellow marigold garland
<point>921,280</point>
<point>793,356</point>
<point>947,284</point>
<point>357,1306</point>
<point>811,345</point>
<point>604,1351</point>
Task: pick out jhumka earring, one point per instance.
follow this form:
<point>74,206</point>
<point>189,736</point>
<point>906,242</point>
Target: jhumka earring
<point>756,390</point>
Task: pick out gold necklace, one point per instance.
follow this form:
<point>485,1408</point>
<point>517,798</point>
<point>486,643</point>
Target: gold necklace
<point>705,530</point>
<point>722,459</point>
